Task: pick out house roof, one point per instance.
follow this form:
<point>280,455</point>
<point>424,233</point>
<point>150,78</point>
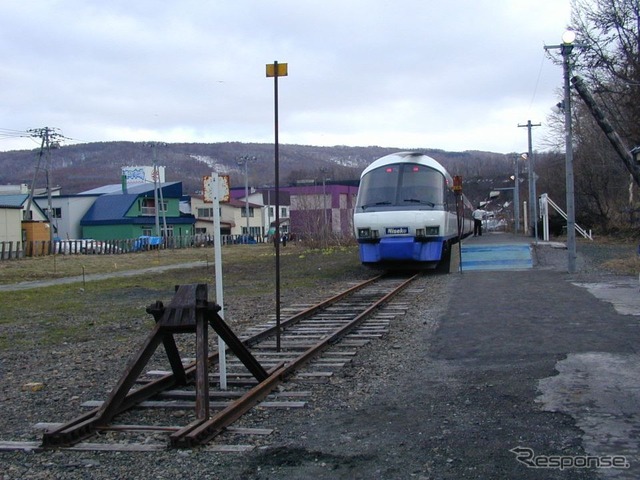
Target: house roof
<point>268,195</point>
<point>19,200</point>
<point>241,204</point>
<point>111,208</point>
<point>14,201</point>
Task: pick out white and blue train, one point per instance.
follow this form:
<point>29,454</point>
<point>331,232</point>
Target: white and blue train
<point>407,214</point>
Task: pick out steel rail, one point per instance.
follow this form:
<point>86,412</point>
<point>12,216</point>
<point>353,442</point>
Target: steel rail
<point>84,426</point>
<point>201,432</point>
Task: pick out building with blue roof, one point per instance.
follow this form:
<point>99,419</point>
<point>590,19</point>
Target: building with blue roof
<point>140,210</point>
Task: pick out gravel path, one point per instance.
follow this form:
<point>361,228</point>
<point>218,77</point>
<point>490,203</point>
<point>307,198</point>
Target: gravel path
<point>401,409</point>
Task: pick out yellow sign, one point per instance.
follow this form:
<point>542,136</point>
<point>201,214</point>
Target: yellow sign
<point>282,70</point>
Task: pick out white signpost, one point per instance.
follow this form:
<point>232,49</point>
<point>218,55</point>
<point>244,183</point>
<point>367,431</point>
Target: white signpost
<point>216,190</point>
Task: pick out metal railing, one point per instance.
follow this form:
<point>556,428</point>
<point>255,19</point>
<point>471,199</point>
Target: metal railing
<point>544,213</point>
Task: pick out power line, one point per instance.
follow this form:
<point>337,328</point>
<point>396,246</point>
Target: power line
<point>53,134</point>
<point>9,133</point>
<point>50,139</point>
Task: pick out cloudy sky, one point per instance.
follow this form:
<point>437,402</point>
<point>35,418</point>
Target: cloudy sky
<point>454,75</point>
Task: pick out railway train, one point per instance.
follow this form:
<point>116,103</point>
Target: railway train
<point>407,214</point>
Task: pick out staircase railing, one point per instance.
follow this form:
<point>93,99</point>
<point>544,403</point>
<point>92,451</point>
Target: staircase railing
<point>544,213</point>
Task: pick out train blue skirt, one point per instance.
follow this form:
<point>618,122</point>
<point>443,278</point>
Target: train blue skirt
<point>401,249</point>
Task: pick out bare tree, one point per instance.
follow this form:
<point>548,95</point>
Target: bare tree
<point>610,62</point>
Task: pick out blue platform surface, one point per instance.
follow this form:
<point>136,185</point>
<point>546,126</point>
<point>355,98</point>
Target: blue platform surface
<point>478,255</point>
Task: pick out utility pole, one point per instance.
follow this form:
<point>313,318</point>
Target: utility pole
<point>50,140</point>
<point>155,190</point>
<point>158,197</point>
<point>533,201</point>
<point>566,47</point>
<point>516,195</point>
<point>325,228</point>
<point>244,160</point>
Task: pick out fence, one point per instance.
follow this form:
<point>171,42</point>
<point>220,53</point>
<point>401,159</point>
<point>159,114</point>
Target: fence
<point>15,250</point>
<point>9,250</point>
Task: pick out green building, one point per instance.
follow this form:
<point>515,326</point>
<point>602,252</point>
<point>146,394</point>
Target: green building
<point>141,210</point>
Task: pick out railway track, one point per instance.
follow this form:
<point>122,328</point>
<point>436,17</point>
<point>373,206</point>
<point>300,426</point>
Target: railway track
<point>313,342</point>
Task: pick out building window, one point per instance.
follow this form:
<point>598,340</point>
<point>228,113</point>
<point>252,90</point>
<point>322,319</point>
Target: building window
<point>148,231</point>
<point>148,206</point>
<point>283,212</point>
<point>56,213</point>
<point>244,212</point>
<point>205,212</point>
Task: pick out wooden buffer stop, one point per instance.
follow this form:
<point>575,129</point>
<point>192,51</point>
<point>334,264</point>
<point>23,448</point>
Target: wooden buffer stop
<point>188,312</point>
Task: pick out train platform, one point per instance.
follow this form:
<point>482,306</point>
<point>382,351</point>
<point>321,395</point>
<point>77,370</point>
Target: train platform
<point>493,251</point>
<point>496,373</point>
<point>496,251</point>
<point>544,342</point>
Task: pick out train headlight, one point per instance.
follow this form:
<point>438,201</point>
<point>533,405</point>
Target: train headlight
<point>364,233</point>
<point>432,231</point>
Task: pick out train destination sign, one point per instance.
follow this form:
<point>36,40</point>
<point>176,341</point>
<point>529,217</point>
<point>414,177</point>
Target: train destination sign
<point>397,230</point>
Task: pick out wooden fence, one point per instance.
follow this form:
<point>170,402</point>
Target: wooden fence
<point>15,250</point>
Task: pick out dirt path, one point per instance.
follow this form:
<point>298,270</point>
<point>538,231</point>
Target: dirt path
<point>96,276</point>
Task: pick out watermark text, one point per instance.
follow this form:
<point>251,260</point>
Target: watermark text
<point>527,457</point>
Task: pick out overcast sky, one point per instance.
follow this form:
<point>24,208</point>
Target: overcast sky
<point>454,75</point>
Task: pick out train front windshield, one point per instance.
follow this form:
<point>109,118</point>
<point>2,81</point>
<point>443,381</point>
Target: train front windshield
<point>401,186</point>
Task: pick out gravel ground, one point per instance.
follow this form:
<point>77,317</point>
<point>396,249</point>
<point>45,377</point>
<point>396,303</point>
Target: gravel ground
<point>338,434</point>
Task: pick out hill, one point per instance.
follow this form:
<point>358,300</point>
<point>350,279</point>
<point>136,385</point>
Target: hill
<point>81,167</point>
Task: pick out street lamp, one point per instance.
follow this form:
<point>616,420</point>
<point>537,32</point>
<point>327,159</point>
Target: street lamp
<point>516,196</point>
<point>244,160</point>
<point>566,47</point>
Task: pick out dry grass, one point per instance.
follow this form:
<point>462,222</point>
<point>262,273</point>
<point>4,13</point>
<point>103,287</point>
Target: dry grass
<point>610,254</point>
<point>58,266</point>
<point>623,266</point>
<point>78,312</point>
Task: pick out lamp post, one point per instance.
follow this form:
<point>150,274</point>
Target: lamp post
<point>516,196</point>
<point>566,47</point>
<point>244,160</point>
